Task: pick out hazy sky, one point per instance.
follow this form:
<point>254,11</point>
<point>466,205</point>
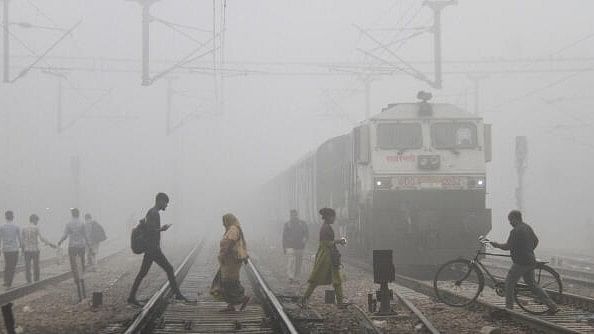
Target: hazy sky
<point>270,120</point>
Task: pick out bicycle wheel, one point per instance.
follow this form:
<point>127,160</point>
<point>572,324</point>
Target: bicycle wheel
<point>458,283</point>
<point>530,298</point>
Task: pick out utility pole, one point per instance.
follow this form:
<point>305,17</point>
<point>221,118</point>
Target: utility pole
<point>146,39</point>
<point>146,43</point>
<point>6,43</point>
<point>437,7</point>
<point>476,79</point>
<point>521,157</point>
<point>59,107</point>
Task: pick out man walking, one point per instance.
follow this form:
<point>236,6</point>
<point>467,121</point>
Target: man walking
<point>10,236</point>
<point>95,235</point>
<point>295,236</point>
<point>77,242</point>
<point>30,237</point>
<point>521,243</point>
<point>152,232</point>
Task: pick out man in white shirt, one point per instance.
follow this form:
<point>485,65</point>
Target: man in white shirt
<point>30,237</point>
<point>10,237</point>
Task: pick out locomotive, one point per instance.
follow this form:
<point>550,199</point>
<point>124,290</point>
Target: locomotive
<point>411,178</point>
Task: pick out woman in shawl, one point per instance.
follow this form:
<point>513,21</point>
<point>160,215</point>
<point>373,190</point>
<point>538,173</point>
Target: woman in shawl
<point>232,254</point>
<point>326,268</point>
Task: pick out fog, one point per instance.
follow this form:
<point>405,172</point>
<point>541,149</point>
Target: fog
<point>280,94</point>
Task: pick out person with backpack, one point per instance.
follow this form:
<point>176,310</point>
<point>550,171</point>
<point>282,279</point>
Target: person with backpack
<point>295,235</point>
<point>95,235</point>
<point>146,238</point>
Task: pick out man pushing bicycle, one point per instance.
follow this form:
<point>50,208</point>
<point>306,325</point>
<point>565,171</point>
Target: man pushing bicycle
<point>521,243</point>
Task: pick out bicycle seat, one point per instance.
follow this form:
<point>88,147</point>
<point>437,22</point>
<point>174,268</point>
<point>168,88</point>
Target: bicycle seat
<point>541,261</point>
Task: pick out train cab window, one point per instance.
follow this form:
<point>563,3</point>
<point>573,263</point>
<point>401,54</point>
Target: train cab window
<point>454,135</point>
<point>399,136</point>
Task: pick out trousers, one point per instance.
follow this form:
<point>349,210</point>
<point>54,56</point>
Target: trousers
<point>526,272</point>
<point>336,284</point>
<point>294,261</point>
<point>32,260</point>
<point>77,256</point>
<point>10,262</point>
<point>157,256</point>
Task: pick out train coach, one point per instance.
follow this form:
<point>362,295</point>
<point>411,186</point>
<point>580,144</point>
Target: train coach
<point>411,178</point>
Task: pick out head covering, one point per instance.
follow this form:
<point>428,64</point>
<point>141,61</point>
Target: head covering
<point>229,220</point>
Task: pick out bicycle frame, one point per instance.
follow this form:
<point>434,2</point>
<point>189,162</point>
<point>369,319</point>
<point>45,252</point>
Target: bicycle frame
<point>484,269</point>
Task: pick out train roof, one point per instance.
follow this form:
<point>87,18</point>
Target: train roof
<point>423,110</point>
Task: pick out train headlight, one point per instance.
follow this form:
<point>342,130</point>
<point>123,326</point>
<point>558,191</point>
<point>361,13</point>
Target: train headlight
<point>383,183</point>
<point>480,182</point>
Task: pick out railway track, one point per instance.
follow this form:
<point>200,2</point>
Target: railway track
<point>163,315</point>
<point>61,274</point>
<point>572,307</point>
<point>405,295</point>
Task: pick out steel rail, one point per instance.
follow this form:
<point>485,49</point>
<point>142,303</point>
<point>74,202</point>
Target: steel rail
<point>155,304</point>
<point>271,302</point>
<point>24,290</point>
<point>531,321</point>
<point>411,307</point>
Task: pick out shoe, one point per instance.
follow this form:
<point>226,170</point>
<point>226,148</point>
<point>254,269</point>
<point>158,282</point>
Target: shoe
<point>302,303</point>
<point>244,303</point>
<point>182,298</point>
<point>553,310</point>
<point>134,302</point>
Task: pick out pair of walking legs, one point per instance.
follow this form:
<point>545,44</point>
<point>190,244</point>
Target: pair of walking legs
<point>294,261</point>
<point>10,262</point>
<point>32,260</point>
<point>157,256</point>
<point>526,272</point>
<point>77,265</point>
<point>336,284</point>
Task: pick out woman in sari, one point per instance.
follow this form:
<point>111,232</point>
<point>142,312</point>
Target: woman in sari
<point>326,268</point>
<point>232,254</point>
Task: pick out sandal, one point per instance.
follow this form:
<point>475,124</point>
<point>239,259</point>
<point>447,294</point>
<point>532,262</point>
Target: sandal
<point>244,303</point>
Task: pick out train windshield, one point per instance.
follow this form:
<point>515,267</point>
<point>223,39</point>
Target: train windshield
<point>454,135</point>
<point>399,136</point>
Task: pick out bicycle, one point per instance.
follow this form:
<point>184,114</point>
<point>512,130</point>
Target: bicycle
<point>459,282</point>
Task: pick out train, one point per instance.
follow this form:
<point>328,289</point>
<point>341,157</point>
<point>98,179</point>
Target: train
<point>411,178</point>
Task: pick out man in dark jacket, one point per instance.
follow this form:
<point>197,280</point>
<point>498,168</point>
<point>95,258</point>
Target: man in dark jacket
<point>521,243</point>
<point>295,237</point>
<point>153,252</point>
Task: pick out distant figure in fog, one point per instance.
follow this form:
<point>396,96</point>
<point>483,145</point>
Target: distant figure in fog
<point>295,235</point>
<point>232,255</point>
<point>326,268</point>
<point>77,242</point>
<point>521,243</point>
<point>153,252</point>
<point>95,235</point>
<point>30,237</point>
<point>10,236</point>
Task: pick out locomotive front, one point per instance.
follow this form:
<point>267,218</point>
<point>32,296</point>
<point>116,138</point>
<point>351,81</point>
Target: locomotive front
<point>420,182</point>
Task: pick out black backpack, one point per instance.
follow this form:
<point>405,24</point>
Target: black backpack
<point>138,238</point>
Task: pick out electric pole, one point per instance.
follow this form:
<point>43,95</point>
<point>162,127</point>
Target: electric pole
<point>476,81</point>
<point>521,157</point>
<point>6,43</point>
<point>437,7</point>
